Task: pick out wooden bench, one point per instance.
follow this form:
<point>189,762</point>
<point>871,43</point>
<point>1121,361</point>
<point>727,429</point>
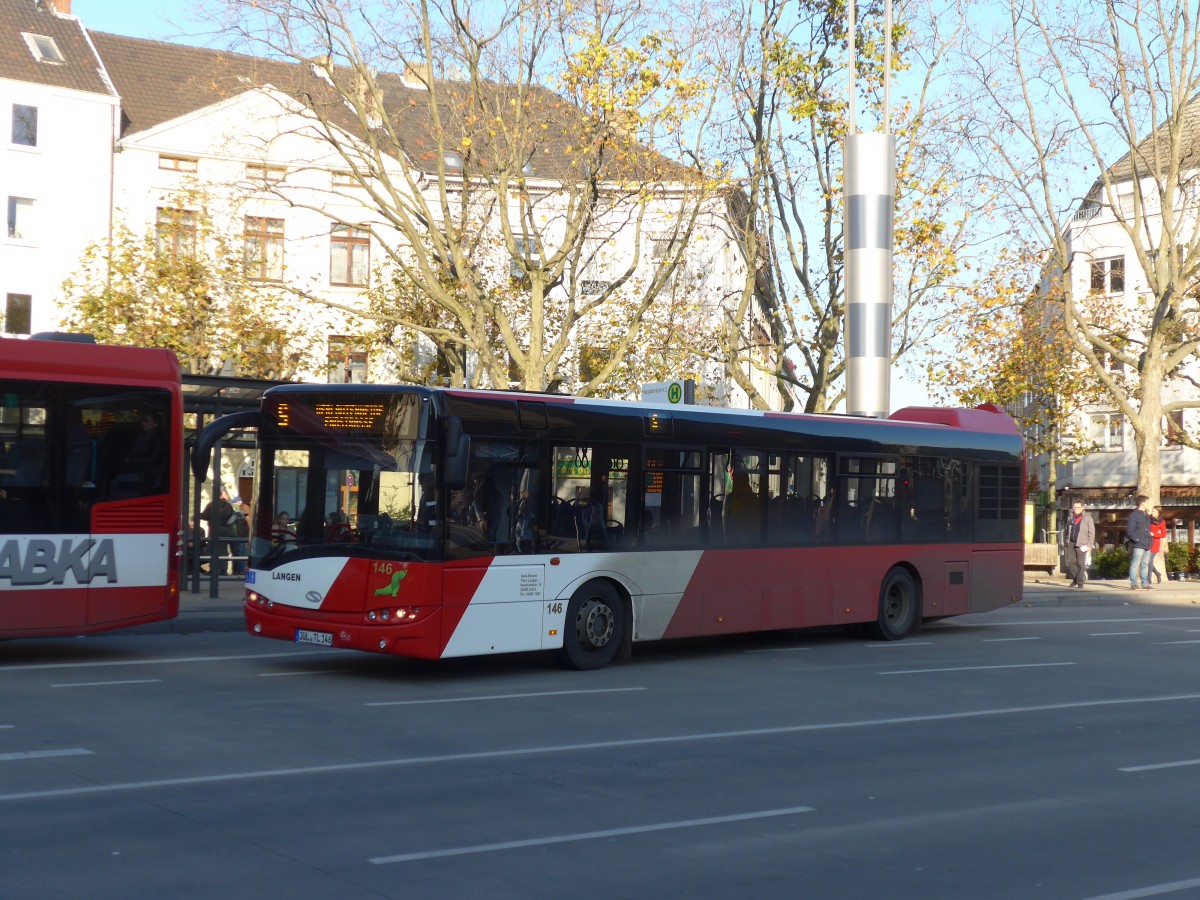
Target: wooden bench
<point>1042,556</point>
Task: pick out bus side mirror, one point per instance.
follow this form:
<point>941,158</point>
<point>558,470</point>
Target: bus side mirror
<point>213,432</point>
<point>457,455</point>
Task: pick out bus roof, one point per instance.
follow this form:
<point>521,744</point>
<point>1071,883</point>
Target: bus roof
<point>987,429</point>
<point>51,360</point>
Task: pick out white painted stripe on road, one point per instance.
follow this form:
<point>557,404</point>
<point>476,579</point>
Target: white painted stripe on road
<point>104,683</point>
<point>1025,624</point>
<point>589,835</point>
<point>519,752</point>
<point>779,650</point>
<point>1168,643</point>
<point>874,644</point>
<point>1166,765</point>
<point>1008,640</point>
<point>501,697</point>
<point>978,668</point>
<point>44,754</point>
<point>164,661</point>
<point>1152,891</point>
<point>7,726</point>
<point>1111,633</point>
<point>309,672</point>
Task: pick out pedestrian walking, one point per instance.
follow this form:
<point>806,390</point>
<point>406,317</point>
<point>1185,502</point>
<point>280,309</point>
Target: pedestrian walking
<point>1078,539</point>
<point>1137,535</point>
<point>1158,544</point>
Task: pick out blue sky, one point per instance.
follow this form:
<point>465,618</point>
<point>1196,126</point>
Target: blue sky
<point>162,20</point>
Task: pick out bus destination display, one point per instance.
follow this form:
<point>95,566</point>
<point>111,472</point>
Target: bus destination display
<point>349,416</point>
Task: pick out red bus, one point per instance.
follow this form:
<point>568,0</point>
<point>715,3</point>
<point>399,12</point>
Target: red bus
<point>438,522</point>
<point>90,486</point>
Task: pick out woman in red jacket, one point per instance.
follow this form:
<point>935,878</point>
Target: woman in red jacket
<point>1158,538</point>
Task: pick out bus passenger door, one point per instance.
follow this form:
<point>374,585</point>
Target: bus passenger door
<point>502,614</point>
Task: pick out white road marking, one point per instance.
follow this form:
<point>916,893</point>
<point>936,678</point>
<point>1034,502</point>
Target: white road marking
<point>519,752</point>
<point>779,650</point>
<point>1151,891</point>
<point>589,835</point>
<point>1008,640</point>
<point>165,661</point>
<point>103,683</point>
<point>501,697</point>
<point>44,754</point>
<point>1168,643</point>
<point>309,672</point>
<point>1026,624</point>
<point>1167,765</point>
<point>978,668</point>
<point>1111,633</point>
<point>7,726</point>
<point>899,644</point>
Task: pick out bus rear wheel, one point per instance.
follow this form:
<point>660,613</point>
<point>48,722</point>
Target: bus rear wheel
<point>594,628</point>
<point>898,606</point>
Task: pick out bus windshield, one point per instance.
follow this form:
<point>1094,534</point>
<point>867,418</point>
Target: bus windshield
<point>336,473</point>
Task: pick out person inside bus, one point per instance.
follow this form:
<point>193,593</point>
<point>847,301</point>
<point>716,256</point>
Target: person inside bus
<point>148,455</point>
<point>741,508</point>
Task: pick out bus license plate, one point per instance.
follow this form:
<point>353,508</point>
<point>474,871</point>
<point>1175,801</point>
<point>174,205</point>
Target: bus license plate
<point>320,638</point>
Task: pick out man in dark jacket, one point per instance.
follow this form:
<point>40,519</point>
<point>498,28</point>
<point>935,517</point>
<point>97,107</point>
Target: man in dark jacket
<point>1137,531</point>
<point>1079,537</point>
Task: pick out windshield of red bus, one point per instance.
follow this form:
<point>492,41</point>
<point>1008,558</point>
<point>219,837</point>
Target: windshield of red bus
<point>345,471</point>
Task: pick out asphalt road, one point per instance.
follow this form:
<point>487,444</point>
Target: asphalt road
<point>1037,751</point>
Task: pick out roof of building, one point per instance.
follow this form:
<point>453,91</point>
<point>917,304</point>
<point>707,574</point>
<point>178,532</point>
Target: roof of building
<point>158,82</point>
<point>79,69</point>
<point>1160,142</point>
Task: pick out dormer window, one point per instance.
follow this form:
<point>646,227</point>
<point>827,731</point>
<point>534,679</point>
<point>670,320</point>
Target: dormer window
<point>453,160</point>
<point>43,48</point>
<point>178,163</point>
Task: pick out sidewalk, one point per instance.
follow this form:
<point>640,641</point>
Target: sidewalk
<point>1056,590</point>
<point>199,612</point>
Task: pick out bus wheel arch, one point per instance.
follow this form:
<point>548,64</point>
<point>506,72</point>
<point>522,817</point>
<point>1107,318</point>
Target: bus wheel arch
<point>899,604</point>
<point>597,627</point>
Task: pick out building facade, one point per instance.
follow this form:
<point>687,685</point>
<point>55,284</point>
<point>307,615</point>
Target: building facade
<point>147,136</point>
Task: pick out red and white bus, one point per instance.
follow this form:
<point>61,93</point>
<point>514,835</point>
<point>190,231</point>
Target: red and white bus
<point>90,442</point>
<point>438,522</point>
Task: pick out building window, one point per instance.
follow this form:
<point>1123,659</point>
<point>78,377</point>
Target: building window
<point>1173,430</point>
<point>528,252</point>
<point>345,179</point>
<point>349,256</point>
<point>1108,275</point>
<point>346,364</point>
<point>20,218</point>
<point>262,176</point>
<point>178,163</point>
<point>1107,431</point>
<point>453,160</point>
<point>43,48</point>
<point>264,248</point>
<point>175,233</point>
<point>24,125</point>
<point>18,313</point>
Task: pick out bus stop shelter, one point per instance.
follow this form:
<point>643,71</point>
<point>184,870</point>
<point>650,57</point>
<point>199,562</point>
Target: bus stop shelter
<point>205,398</point>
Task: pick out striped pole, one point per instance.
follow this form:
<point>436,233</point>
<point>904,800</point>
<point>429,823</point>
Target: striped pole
<point>870,200</point>
<point>869,164</point>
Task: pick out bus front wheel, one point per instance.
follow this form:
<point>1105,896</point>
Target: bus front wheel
<point>898,606</point>
<point>594,628</point>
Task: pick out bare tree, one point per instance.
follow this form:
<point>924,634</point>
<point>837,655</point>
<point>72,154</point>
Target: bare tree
<point>505,153</point>
<point>1110,89</point>
<point>786,65</point>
